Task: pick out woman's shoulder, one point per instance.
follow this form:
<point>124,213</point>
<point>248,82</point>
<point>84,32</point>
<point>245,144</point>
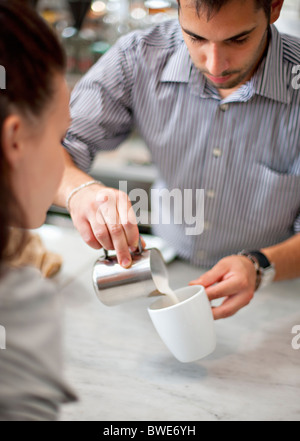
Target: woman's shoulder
<point>31,380</point>
<point>25,291</point>
<point>22,284</point>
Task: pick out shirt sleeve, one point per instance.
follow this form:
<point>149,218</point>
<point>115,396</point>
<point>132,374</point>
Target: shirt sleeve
<point>295,170</point>
<point>32,387</point>
<point>297,225</point>
<point>101,107</point>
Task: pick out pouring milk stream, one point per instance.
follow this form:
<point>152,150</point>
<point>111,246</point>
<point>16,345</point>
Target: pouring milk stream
<point>163,287</point>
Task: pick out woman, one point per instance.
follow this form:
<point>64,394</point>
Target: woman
<point>34,118</point>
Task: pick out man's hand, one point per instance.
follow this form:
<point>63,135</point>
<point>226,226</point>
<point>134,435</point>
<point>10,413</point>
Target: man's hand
<point>105,218</point>
<point>234,278</point>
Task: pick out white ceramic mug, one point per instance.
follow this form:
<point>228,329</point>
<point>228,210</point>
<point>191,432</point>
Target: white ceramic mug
<point>187,328</point>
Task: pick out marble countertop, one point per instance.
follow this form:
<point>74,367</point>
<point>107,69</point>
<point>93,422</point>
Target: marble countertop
<point>121,370</point>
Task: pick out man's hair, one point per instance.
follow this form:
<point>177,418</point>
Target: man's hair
<point>212,7</point>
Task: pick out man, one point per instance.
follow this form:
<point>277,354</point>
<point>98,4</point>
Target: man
<point>216,99</point>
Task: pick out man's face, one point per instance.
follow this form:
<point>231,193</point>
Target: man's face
<point>228,47</point>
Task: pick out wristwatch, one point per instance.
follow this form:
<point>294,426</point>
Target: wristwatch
<point>265,270</point>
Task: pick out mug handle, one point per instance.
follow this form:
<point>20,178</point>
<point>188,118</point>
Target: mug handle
<point>135,253</point>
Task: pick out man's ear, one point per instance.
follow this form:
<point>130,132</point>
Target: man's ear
<point>276,7</point>
<point>11,140</point>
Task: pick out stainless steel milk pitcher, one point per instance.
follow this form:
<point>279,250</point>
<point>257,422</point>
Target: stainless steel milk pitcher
<point>115,284</point>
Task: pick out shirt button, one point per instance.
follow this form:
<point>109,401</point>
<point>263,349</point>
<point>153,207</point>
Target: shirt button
<point>201,254</point>
<point>224,107</point>
<point>207,226</point>
<point>217,152</point>
<point>210,194</point>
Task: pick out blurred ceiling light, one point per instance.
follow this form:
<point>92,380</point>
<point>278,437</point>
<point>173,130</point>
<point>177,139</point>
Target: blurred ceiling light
<point>138,13</point>
<point>98,7</point>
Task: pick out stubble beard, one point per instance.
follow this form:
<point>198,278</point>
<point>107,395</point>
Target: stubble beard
<point>245,74</point>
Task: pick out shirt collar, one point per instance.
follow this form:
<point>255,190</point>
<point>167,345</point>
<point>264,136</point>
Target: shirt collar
<point>270,80</point>
<point>271,76</point>
<point>179,65</point>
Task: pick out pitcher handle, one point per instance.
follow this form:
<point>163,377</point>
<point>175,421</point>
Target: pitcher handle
<point>137,252</point>
<point>140,249</point>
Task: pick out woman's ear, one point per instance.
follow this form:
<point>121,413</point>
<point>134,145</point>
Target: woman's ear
<point>12,140</point>
<point>276,7</point>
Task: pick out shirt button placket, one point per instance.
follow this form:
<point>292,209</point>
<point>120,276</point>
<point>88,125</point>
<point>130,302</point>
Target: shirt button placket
<point>214,177</point>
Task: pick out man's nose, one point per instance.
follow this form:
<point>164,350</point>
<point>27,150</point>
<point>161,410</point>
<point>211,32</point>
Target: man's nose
<point>216,60</point>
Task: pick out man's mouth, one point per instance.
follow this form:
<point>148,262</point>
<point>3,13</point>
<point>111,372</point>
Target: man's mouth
<point>219,80</point>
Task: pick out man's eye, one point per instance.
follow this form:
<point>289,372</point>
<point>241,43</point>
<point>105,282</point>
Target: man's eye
<point>196,40</point>
<point>242,41</point>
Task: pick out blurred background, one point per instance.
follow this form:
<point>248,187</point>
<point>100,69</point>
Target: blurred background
<point>87,29</point>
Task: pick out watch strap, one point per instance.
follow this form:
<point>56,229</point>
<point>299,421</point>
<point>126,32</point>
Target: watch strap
<point>266,272</point>
<point>256,264</point>
<point>261,258</point>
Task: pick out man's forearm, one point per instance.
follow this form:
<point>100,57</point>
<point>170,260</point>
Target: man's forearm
<point>286,258</point>
<point>73,177</point>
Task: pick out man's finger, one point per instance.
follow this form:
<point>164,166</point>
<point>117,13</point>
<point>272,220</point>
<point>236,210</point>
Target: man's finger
<point>109,211</point>
<point>128,221</point>
<point>120,245</point>
<point>101,232</point>
<point>143,243</point>
<point>230,306</point>
<point>211,277</point>
<point>86,232</point>
<point>223,289</point>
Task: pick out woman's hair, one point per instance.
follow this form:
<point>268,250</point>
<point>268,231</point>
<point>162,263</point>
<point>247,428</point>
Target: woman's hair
<point>30,57</point>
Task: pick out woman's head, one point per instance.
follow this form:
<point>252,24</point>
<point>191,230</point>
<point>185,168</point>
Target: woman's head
<point>34,117</point>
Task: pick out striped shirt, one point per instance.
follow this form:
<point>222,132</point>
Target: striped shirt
<point>244,151</point>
